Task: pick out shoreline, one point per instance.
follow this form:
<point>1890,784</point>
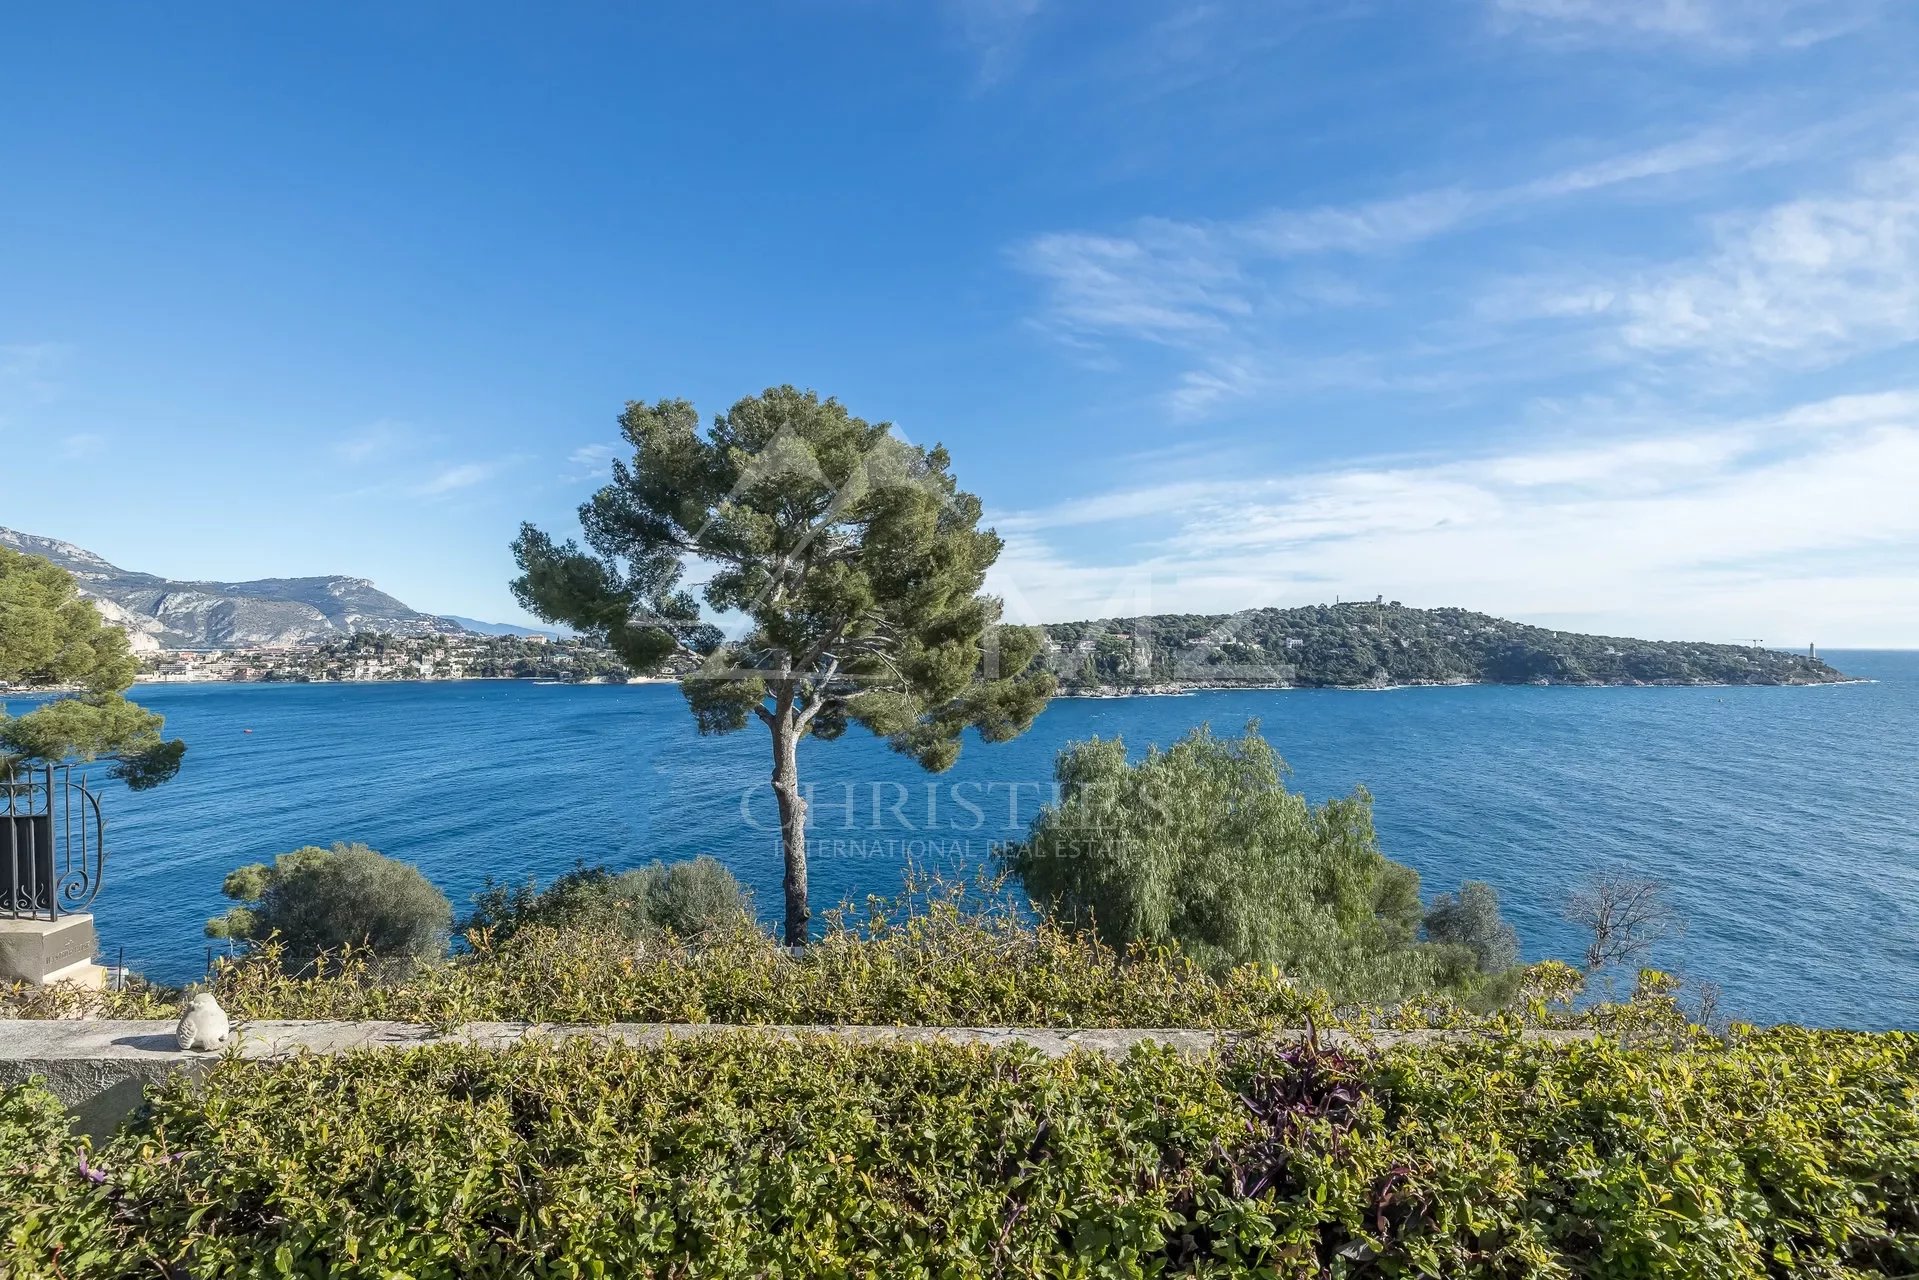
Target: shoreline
<point>1182,691</point>
<point>150,682</point>
<point>1096,694</point>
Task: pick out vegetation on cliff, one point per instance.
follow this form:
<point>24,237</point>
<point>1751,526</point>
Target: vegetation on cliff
<point>1357,644</point>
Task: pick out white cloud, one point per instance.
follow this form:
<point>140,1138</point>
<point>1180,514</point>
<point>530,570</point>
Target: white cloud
<point>29,375</point>
<point>1188,284</point>
<point>1165,282</point>
<point>591,462</point>
<point>1812,279</point>
<point>29,362</point>
<point>83,444</point>
<point>1253,305</point>
<point>1701,152</point>
<point>462,476</point>
<point>1807,282</point>
<point>1367,227</point>
<point>376,440</point>
<point>1719,26</point>
<point>1774,523</point>
<point>996,30</point>
<point>1223,379</point>
<point>1380,225</point>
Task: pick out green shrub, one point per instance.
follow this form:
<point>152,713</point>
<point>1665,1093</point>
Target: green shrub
<point>1471,919</point>
<point>1777,1153</point>
<point>927,960</point>
<point>940,966</point>
<point>315,900</point>
<point>136,998</point>
<point>53,1215</point>
<point>690,899</point>
<point>1202,847</point>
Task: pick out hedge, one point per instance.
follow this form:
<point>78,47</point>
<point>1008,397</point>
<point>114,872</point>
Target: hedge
<point>940,968</point>
<point>1783,1152</point>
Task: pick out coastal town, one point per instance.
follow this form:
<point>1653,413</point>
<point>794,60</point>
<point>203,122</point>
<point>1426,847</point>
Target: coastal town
<point>374,656</point>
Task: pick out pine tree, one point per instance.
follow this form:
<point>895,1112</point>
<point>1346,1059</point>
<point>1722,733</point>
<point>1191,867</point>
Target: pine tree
<point>855,559</point>
<point>52,638</point>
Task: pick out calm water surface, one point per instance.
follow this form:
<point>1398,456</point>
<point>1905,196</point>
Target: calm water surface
<point>1783,819</point>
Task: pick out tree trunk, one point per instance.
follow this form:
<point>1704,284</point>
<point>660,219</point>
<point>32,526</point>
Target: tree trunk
<point>786,787</point>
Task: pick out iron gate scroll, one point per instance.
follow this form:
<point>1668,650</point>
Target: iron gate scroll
<point>52,854</point>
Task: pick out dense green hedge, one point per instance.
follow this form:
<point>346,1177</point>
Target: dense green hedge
<point>1783,1152</point>
<point>941,967</point>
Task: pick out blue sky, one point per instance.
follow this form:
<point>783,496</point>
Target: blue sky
<point>1596,313</point>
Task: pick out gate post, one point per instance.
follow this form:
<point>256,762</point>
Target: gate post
<point>42,951</point>
<point>52,856</point>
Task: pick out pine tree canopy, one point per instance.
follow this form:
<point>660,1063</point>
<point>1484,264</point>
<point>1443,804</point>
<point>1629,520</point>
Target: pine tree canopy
<point>853,556</point>
<point>50,637</point>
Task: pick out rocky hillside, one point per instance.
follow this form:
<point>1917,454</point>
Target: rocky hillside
<point>160,613</point>
<point>1376,644</point>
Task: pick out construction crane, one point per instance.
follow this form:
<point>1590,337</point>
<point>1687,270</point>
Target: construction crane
<point>1748,641</point>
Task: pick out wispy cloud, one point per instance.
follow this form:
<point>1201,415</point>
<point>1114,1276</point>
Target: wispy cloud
<point>82,445</point>
<point>374,441</point>
<point>28,362</point>
<point>996,31</point>
<point>1798,523</point>
<point>1380,225</point>
<point>1367,227</point>
<point>453,478</point>
<point>1807,282</point>
<point>591,462</point>
<point>1252,306</point>
<point>1718,26</point>
<point>1170,282</point>
<point>30,374</point>
<point>1163,282</point>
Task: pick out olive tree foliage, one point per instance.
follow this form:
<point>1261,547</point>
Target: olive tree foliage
<point>319,900</point>
<point>51,637</point>
<point>1471,919</point>
<point>1201,847</point>
<point>854,559</point>
<point>688,899</point>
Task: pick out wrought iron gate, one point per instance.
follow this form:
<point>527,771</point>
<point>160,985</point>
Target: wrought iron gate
<point>52,854</point>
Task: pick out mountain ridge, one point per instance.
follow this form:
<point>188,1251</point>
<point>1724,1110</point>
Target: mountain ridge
<point>166,613</point>
<point>480,628</point>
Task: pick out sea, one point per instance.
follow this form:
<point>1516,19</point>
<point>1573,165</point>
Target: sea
<point>1781,821</point>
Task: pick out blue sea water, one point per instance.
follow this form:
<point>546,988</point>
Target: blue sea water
<point>1783,820</point>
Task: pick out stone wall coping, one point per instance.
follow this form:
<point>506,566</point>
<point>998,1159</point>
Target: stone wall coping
<point>153,1040</point>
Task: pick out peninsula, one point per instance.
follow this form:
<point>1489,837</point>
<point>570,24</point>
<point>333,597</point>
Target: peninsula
<point>1375,644</point>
